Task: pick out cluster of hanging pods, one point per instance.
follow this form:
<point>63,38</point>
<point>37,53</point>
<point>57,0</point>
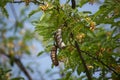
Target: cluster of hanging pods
<point>58,44</point>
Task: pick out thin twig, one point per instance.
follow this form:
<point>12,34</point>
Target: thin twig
<point>19,63</point>
<point>14,15</point>
<point>14,12</point>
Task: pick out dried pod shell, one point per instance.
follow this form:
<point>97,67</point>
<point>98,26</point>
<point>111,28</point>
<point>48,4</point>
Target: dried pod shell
<point>58,39</point>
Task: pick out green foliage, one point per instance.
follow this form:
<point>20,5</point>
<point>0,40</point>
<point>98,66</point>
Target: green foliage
<point>4,74</point>
<point>100,42</point>
<point>107,14</point>
<point>2,7</point>
<point>98,36</point>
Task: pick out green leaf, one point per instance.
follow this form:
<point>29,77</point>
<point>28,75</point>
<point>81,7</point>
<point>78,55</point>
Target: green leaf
<point>5,12</point>
<point>68,75</point>
<point>33,12</point>
<point>41,52</point>
<point>80,69</point>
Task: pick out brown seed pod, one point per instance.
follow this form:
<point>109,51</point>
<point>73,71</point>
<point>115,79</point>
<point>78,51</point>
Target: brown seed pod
<point>54,55</point>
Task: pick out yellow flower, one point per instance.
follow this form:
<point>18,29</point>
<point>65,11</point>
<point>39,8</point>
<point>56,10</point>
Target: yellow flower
<point>89,67</point>
<point>10,45</point>
<point>44,7</point>
<point>92,26</point>
<point>80,36</point>
<point>88,19</point>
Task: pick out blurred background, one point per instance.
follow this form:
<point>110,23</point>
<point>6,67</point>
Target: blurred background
<point>19,41</point>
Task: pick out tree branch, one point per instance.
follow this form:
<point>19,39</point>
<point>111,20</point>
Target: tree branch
<point>19,63</point>
<point>81,57</point>
<point>87,53</point>
<point>22,1</point>
<point>73,4</point>
<point>83,61</point>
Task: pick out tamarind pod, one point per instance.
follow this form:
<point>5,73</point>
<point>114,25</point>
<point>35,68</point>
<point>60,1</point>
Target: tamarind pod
<point>54,55</point>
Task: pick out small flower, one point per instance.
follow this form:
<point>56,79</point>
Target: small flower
<point>44,7</point>
<point>92,26</point>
